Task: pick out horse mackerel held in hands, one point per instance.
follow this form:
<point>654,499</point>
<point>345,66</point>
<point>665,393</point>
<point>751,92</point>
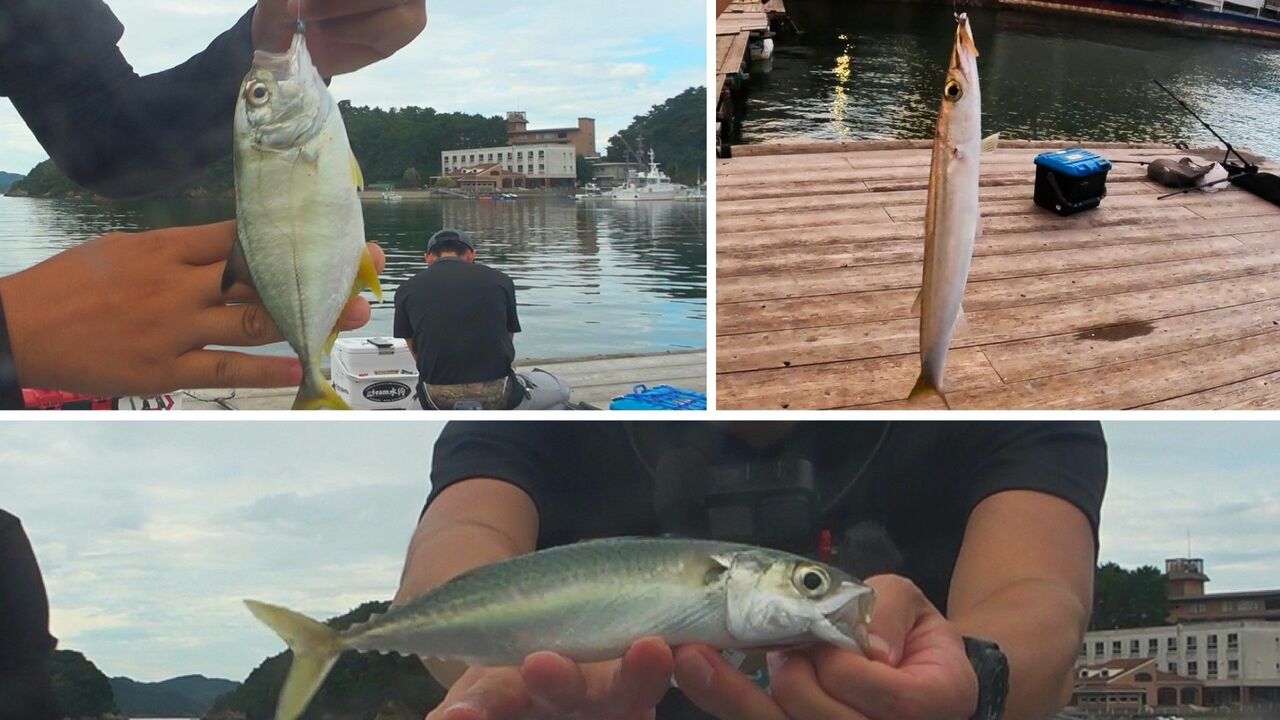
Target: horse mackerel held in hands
<point>300,227</point>
<point>589,602</point>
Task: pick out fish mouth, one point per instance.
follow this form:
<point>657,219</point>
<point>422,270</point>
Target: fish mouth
<point>964,39</point>
<point>845,616</point>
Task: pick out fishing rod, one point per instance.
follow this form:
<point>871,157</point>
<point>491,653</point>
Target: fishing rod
<point>1248,166</point>
<point>1186,190</point>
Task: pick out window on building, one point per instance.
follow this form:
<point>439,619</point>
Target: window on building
<point>1233,667</point>
<point>520,155</point>
<point>1213,668</point>
<point>1248,605</point>
<point>1133,648</point>
<point>1142,677</point>
<point>1191,643</point>
<point>1153,646</point>
<point>1173,668</point>
<point>1084,649</point>
<point>1211,643</point>
<point>1115,648</point>
<point>541,167</point>
<point>1233,641</point>
<point>541,154</point>
<point>519,168</point>
<point>1196,608</point>
<point>1273,603</point>
<point>1171,644</point>
<point>1192,667</point>
<point>1098,648</point>
<point>1228,606</point>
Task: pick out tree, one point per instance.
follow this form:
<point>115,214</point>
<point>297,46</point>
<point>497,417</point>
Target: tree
<point>79,686</point>
<point>446,182</point>
<point>411,178</point>
<point>1128,598</point>
<point>676,130</point>
<point>586,170</point>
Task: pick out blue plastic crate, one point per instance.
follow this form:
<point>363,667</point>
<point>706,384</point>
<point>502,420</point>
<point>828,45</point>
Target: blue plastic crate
<point>1073,162</point>
<point>660,397</point>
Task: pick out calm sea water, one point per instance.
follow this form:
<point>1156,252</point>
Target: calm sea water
<point>590,278</point>
<point>875,70</point>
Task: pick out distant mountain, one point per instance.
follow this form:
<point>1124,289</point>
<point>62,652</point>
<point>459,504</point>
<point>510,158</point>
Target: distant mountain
<point>80,688</point>
<point>361,686</point>
<point>7,179</point>
<point>186,696</point>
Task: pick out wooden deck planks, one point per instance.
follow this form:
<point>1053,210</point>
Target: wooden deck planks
<point>818,261</point>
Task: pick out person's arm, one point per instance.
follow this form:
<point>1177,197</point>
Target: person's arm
<point>109,129</point>
<point>471,523</point>
<point>125,135</point>
<point>1024,579</point>
<point>513,313</point>
<point>401,327</point>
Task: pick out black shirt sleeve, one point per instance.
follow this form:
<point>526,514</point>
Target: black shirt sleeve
<point>1064,459</point>
<point>107,128</point>
<point>400,325</point>
<point>529,455</point>
<point>24,626</point>
<point>513,317</point>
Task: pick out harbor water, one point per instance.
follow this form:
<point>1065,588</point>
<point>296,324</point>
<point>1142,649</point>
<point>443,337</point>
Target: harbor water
<point>866,70</point>
<point>591,278</point>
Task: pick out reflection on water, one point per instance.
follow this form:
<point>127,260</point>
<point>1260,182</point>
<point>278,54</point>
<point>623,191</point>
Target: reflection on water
<point>873,70</point>
<point>590,278</point>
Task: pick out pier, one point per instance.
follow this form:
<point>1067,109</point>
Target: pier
<point>737,23</point>
<point>1141,303</point>
<point>594,381</point>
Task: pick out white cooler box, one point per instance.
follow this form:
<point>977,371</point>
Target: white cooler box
<point>374,373</point>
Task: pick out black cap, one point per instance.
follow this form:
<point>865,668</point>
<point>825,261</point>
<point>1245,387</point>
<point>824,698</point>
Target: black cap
<point>449,234</point>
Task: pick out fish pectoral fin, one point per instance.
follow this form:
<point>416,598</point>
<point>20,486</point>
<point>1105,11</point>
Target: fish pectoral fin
<point>356,175</point>
<point>991,142</point>
<point>367,275</point>
<point>237,269</point>
<point>917,306</point>
<point>962,323</point>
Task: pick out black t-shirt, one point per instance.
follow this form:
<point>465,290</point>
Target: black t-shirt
<point>460,316</point>
<point>109,129</point>
<point>918,481</point>
<point>25,642</point>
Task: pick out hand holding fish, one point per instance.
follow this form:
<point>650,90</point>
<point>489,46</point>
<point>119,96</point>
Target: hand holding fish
<point>916,669</point>
<point>131,314</point>
<point>548,685</point>
<point>342,35</point>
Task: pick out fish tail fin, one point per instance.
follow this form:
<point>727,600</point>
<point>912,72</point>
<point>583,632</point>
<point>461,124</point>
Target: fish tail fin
<point>318,396</point>
<point>924,391</point>
<point>991,142</point>
<point>315,648</point>
<point>367,275</point>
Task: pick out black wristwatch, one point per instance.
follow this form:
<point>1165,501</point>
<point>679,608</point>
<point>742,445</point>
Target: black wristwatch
<point>992,669</point>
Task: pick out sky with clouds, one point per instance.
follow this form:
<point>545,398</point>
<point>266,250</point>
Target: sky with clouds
<point>556,60</point>
<point>150,533</point>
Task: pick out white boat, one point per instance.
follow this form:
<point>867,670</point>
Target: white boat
<point>590,191</point>
<point>391,196</point>
<point>651,184</point>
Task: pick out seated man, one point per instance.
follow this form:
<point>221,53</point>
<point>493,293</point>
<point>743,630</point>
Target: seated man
<point>459,319</point>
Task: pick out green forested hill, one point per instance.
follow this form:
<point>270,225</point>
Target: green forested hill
<point>676,129</point>
<point>361,685</point>
<point>81,690</point>
<point>186,696</point>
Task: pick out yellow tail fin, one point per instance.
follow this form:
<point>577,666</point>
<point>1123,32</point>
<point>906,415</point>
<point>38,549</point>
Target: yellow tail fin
<point>321,396</point>
<point>924,392</point>
<point>367,275</point>
<point>315,648</point>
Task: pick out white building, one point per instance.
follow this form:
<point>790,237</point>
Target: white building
<point>542,165</point>
<point>1236,660</point>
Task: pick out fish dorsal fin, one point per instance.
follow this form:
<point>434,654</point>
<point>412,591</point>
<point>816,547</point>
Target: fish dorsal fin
<point>356,175</point>
<point>991,142</point>
<point>237,268</point>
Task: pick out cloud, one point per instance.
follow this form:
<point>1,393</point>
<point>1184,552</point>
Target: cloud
<point>557,61</point>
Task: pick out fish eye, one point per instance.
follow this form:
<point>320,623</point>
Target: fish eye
<point>952,91</point>
<point>811,581</point>
<point>257,93</point>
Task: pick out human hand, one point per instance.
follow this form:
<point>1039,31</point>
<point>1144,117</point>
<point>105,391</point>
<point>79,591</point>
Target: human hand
<point>549,686</point>
<point>130,314</point>
<point>916,669</point>
<point>342,35</point>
